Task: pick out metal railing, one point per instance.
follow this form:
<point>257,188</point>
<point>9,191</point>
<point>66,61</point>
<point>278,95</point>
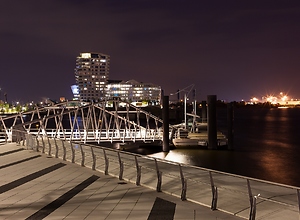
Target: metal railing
<point>3,137</point>
<point>241,196</point>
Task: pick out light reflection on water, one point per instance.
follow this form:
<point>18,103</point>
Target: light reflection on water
<point>266,147</point>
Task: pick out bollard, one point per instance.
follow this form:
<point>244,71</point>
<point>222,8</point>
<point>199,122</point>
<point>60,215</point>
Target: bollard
<point>138,172</point>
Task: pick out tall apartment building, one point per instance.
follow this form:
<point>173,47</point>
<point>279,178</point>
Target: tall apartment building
<point>91,75</point>
<point>93,84</point>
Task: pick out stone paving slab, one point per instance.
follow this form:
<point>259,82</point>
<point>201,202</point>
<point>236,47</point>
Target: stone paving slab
<point>273,203</point>
<point>75,192</point>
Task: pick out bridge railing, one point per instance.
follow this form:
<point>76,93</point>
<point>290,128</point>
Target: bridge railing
<point>3,137</point>
<point>242,196</point>
<point>121,135</point>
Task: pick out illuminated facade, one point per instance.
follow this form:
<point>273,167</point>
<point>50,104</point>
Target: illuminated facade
<point>91,75</point>
<point>93,84</point>
<point>134,92</point>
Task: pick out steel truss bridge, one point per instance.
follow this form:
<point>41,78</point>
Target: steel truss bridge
<point>107,121</point>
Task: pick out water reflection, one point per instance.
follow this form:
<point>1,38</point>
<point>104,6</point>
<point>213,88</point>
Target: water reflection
<point>266,147</point>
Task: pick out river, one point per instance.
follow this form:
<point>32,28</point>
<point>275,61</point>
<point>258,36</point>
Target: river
<point>266,146</point>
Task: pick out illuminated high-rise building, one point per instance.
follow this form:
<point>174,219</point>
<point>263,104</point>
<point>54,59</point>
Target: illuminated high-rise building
<point>93,84</point>
<point>91,75</point>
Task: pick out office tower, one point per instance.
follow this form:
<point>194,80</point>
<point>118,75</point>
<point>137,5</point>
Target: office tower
<point>91,75</point>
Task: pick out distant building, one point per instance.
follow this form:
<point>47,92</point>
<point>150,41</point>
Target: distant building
<point>134,92</point>
<point>93,84</point>
<point>91,75</point>
<point>75,91</point>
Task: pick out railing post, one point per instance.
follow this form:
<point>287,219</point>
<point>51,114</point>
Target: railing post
<point>252,202</point>
<point>43,150</point>
<point>94,159</point>
<point>24,139</point>
<point>159,177</point>
<point>138,172</point>
<point>5,136</point>
<point>49,144</point>
<point>82,155</point>
<point>17,137</point>
<point>37,143</point>
<point>183,184</point>
<point>121,167</point>
<point>73,152</point>
<point>56,147</point>
<point>64,150</point>
<point>253,208</point>
<point>106,162</point>
<point>27,140</point>
<point>214,191</point>
<point>298,194</point>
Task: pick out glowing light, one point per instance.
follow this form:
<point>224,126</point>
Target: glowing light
<point>284,98</point>
<point>86,55</point>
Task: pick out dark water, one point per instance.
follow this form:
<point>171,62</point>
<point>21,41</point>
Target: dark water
<point>266,141</point>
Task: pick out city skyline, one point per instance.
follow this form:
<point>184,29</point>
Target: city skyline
<point>233,49</point>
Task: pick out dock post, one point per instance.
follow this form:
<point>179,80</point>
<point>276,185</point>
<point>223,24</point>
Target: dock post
<point>212,121</point>
<point>230,118</point>
<point>166,146</point>
<point>204,111</point>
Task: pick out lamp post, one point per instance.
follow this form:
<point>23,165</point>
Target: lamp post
<point>186,90</point>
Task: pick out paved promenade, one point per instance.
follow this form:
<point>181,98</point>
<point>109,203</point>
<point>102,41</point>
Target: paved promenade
<point>36,186</point>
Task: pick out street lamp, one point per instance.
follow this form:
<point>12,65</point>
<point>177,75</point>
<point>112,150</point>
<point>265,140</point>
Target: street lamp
<point>186,91</point>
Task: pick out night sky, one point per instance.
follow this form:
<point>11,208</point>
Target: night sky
<point>234,49</point>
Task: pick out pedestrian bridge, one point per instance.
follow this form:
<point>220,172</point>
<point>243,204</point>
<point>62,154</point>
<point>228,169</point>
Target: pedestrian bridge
<point>107,121</point>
